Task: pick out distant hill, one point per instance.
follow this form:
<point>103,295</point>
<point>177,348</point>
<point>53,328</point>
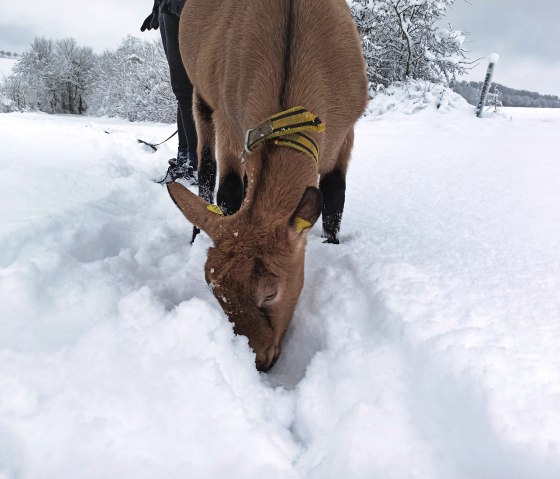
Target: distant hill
<point>470,91</point>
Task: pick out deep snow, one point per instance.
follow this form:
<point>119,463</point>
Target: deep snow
<point>427,345</point>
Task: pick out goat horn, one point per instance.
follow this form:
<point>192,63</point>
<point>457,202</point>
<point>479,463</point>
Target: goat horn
<point>196,210</point>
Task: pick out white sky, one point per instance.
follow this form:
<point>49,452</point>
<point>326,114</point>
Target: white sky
<point>524,32</point>
<point>100,24</point>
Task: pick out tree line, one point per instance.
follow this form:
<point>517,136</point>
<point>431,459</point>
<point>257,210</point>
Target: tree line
<point>5,54</point>
<point>402,40</point>
<point>60,76</point>
<point>505,96</point>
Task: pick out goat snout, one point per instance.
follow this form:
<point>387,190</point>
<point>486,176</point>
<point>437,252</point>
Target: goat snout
<point>266,360</point>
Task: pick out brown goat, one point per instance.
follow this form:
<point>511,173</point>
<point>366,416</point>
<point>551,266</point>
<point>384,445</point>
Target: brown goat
<point>249,60</point>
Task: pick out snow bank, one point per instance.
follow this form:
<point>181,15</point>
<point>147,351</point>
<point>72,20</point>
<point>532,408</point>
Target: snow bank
<point>425,345</point>
<point>410,97</point>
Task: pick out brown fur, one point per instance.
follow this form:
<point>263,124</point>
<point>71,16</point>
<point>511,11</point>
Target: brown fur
<point>236,53</point>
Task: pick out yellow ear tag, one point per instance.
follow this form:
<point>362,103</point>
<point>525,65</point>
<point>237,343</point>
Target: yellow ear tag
<point>215,209</point>
<point>302,225</point>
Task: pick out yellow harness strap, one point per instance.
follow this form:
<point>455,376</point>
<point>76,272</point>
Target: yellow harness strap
<point>286,129</point>
<point>300,141</point>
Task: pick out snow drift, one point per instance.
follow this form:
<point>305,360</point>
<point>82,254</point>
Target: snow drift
<point>413,96</point>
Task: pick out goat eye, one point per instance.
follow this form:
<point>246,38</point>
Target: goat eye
<point>270,296</point>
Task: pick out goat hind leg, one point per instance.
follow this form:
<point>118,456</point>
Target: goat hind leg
<point>333,188</point>
<point>206,152</point>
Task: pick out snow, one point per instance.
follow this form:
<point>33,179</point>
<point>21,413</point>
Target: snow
<point>6,65</point>
<point>494,58</point>
<point>410,97</point>
<point>426,345</point>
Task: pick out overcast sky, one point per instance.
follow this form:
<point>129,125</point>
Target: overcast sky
<point>526,33</point>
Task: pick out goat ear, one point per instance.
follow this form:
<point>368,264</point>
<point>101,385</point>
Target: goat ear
<point>308,211</point>
<point>195,209</point>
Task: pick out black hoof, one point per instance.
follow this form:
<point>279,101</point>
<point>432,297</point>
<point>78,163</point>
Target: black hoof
<point>195,232</point>
<point>331,241</point>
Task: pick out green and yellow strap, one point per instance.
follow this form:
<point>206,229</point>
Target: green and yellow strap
<point>286,129</point>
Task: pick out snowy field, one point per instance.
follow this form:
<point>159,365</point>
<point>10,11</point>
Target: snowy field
<point>426,345</point>
<point>6,65</point>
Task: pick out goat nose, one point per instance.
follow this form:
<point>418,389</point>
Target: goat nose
<point>269,358</point>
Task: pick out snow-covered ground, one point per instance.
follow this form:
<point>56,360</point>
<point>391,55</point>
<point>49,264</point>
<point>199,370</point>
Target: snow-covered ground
<point>426,345</point>
<point>6,65</point>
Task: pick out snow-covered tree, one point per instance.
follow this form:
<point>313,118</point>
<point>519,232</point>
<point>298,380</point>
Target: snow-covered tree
<point>134,83</point>
<point>403,39</point>
<point>13,96</point>
<point>62,77</point>
<point>495,97</point>
<point>35,69</point>
<point>75,73</point>
<point>57,75</point>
